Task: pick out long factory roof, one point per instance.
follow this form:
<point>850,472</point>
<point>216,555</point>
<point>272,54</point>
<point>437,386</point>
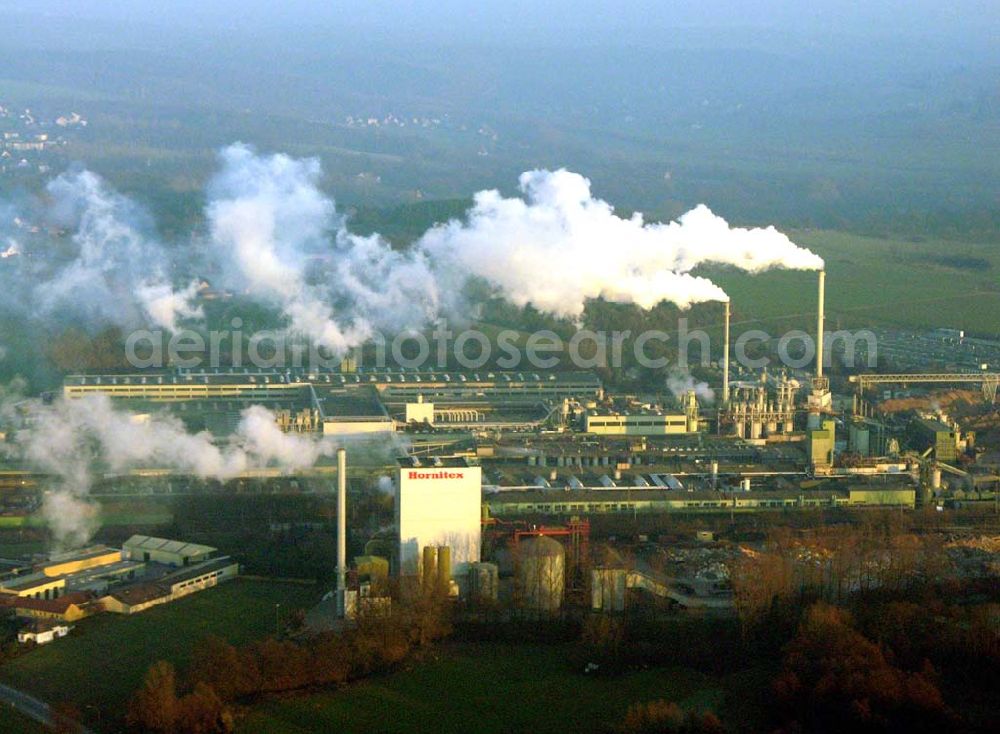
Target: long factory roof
<point>633,494</point>
<point>293,377</point>
<point>163,545</point>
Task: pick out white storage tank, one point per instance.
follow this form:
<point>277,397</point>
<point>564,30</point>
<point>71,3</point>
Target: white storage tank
<point>608,588</point>
<point>936,478</point>
<point>542,574</point>
<point>484,582</point>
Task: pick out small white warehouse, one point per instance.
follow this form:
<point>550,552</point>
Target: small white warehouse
<point>438,502</point>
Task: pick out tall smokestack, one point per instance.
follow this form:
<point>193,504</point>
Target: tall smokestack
<point>819,324</point>
<point>341,528</point>
<point>725,359</point>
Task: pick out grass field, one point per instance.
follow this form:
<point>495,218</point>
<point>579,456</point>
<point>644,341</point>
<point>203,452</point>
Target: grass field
<point>13,548</point>
<point>139,512</point>
<point>13,722</point>
<point>136,511</point>
<point>486,688</point>
<point>104,660</point>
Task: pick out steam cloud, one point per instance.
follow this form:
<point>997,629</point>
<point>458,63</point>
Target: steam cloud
<point>680,383</point>
<point>559,246</point>
<point>275,235</point>
<point>112,271</point>
<point>74,440</point>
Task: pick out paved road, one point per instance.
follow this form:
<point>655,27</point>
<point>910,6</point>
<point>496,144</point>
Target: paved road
<point>31,706</point>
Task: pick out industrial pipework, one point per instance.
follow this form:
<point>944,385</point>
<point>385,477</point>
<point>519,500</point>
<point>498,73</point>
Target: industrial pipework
<point>725,358</point>
<point>819,324</point>
<point>341,530</point>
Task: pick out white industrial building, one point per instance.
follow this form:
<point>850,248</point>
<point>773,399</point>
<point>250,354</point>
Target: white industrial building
<point>438,503</point>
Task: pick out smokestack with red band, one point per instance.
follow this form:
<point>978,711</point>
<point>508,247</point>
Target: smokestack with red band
<point>341,527</point>
<point>725,359</point>
<point>819,324</point>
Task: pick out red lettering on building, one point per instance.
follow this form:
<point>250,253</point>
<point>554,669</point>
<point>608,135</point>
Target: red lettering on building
<point>434,475</point>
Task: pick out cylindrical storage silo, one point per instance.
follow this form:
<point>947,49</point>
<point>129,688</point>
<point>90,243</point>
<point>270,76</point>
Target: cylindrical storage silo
<point>936,478</point>
<point>444,568</point>
<point>542,574</point>
<point>429,568</point>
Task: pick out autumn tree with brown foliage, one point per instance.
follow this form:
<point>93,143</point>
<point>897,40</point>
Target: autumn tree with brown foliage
<point>663,717</point>
<point>231,672</point>
<point>203,712</point>
<point>221,674</point>
<point>835,679</point>
<point>154,706</point>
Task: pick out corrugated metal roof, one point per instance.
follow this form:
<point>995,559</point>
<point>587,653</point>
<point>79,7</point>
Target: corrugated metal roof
<point>163,545</point>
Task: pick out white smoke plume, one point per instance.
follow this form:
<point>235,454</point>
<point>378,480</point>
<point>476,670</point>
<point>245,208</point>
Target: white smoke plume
<point>113,271</point>
<point>276,236</point>
<point>263,441</point>
<point>680,383</point>
<point>74,440</point>
<point>165,306</point>
<point>559,246</point>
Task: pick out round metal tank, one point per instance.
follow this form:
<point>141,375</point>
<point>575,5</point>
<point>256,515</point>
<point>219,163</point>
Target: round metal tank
<point>542,574</point>
<point>484,582</point>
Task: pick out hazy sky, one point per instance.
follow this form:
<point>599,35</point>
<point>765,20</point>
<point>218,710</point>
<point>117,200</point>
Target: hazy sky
<point>505,20</point>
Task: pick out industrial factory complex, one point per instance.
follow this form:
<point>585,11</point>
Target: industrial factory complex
<point>53,591</point>
<point>530,460</point>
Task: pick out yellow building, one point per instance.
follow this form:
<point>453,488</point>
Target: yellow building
<point>136,598</point>
<point>883,496</point>
<point>34,586</point>
<point>69,608</point>
<point>69,563</point>
<point>821,443</point>
<point>174,387</point>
